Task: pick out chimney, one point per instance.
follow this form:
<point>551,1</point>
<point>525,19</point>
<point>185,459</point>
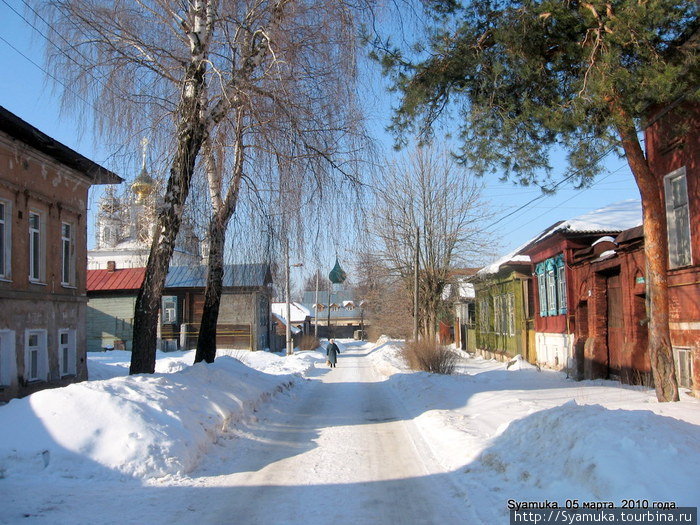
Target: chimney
<point>111,266</point>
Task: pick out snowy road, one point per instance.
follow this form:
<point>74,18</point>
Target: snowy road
<point>339,449</point>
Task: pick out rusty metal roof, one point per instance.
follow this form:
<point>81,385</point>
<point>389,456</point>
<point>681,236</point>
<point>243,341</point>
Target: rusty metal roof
<point>121,279</point>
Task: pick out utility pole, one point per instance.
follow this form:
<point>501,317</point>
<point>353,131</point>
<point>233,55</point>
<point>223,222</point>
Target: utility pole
<point>288,324</point>
<point>415,286</point>
<point>287,293</point>
<point>316,308</point>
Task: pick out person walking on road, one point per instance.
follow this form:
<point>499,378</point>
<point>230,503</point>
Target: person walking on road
<point>332,352</point>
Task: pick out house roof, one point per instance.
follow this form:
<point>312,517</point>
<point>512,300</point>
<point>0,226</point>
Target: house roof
<point>122,279</point>
<point>235,276</point>
<point>18,129</point>
<point>613,218</point>
<point>126,279</point>
<point>297,311</point>
<point>609,219</point>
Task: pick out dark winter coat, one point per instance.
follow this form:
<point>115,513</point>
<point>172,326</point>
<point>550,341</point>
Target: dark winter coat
<point>332,352</point>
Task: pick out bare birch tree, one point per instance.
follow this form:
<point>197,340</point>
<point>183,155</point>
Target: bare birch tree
<point>179,70</point>
<point>428,191</point>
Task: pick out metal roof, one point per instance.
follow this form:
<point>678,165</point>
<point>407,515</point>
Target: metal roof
<point>20,130</point>
<point>126,279</point>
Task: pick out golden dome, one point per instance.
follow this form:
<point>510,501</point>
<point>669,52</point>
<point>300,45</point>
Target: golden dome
<point>143,185</point>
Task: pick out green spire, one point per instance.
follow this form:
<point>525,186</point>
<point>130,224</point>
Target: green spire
<point>337,274</point>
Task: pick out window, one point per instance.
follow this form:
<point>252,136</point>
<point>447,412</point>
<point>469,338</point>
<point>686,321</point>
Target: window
<point>36,263</point>
<point>36,366</point>
<point>497,314</point>
<point>484,315</point>
<point>5,239</point>
<point>7,357</point>
<point>551,284</point>
<point>677,218</point>
<point>561,284</point>
<point>67,255</point>
<point>542,288</point>
<point>684,366</point>
<point>66,352</point>
<point>170,309</point>
<point>504,314</point>
<point>510,312</point>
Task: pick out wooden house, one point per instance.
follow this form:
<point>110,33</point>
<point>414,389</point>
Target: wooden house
<point>672,140</point>
<point>551,254</point>
<point>504,308</point>
<point>244,313</point>
<point>608,304</point>
<point>43,229</point>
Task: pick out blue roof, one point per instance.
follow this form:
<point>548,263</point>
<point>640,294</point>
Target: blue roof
<point>235,275</point>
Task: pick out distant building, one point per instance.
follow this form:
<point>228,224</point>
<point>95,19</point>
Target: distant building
<point>244,315</point>
<point>529,302</point>
<point>339,309</point>
<point>43,244</point>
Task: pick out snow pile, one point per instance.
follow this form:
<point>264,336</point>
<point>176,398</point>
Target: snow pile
<point>554,452</point>
<point>300,362</point>
<point>387,356</point>
<point>142,426</point>
<point>115,363</point>
<point>536,435</point>
<point>520,363</point>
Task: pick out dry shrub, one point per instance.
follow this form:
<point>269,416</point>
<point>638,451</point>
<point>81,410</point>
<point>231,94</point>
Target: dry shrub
<point>309,342</point>
<point>429,357</point>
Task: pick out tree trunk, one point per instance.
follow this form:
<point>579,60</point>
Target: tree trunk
<point>206,340</point>
<point>190,136</point>
<point>656,254</point>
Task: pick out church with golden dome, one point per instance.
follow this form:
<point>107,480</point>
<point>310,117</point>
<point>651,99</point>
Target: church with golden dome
<point>124,226</point>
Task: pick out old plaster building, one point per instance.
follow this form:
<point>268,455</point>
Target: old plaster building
<point>43,228</point>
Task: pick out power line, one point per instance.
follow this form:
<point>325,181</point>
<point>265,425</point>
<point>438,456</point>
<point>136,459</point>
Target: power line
<point>543,195</point>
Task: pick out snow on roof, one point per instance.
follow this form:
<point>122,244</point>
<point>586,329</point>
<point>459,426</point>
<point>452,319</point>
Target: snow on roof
<point>612,218</point>
<point>495,266</point>
<point>606,238</point>
<point>297,311</point>
<point>466,291</point>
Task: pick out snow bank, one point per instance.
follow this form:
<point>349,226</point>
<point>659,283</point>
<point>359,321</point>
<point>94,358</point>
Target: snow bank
<point>387,356</point>
<point>301,362</point>
<point>594,454</point>
<point>508,430</point>
<point>142,426</point>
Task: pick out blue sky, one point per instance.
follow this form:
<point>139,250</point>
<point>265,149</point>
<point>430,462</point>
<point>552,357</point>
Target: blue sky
<point>26,91</point>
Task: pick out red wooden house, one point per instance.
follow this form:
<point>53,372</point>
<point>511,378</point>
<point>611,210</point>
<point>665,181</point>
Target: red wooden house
<point>672,138</point>
<point>608,302</point>
<point>556,300</point>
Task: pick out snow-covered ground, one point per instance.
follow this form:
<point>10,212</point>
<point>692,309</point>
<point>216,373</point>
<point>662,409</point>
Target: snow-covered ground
<point>263,438</point>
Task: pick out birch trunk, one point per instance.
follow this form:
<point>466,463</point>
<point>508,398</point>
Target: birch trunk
<point>190,136</point>
<point>206,340</point>
<point>223,211</point>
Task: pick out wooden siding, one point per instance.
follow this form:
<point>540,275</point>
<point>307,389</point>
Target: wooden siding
<point>109,321</point>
